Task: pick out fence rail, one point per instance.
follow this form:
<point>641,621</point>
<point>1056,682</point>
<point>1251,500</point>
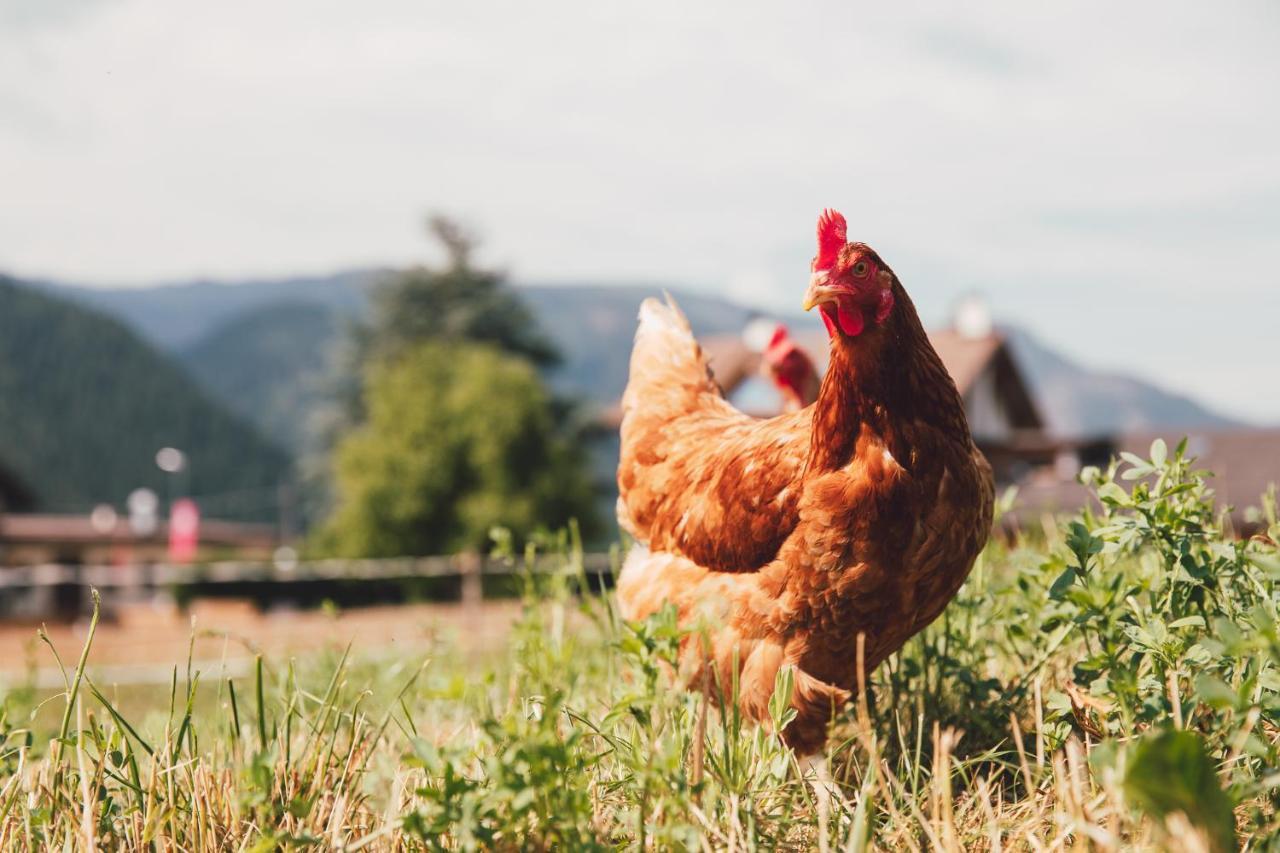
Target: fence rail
<point>239,572</point>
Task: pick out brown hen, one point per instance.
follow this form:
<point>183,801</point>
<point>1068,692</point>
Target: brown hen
<point>780,541</point>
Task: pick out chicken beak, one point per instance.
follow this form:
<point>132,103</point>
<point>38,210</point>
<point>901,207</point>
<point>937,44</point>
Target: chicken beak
<point>819,291</point>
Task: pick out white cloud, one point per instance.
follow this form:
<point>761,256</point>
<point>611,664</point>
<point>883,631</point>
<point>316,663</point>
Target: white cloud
<point>1077,164</point>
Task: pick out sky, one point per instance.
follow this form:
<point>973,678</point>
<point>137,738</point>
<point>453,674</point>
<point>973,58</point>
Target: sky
<point>1106,175</point>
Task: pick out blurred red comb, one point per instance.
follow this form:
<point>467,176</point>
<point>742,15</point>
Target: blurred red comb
<point>780,336</point>
<point>831,239</point>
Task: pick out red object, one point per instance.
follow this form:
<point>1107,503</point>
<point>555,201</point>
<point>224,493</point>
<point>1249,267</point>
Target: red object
<point>184,530</point>
<point>831,239</point>
<point>851,283</point>
<point>791,370</point>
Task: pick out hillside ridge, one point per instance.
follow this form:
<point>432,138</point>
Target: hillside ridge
<point>85,403</point>
<point>593,323</point>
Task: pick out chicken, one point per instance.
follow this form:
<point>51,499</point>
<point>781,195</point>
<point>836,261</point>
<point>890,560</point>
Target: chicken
<point>791,370</point>
<point>779,541</point>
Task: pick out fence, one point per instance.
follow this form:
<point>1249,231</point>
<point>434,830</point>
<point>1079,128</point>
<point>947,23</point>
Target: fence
<point>52,588</point>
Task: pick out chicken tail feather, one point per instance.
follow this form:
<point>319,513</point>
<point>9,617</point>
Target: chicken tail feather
<point>668,369</point>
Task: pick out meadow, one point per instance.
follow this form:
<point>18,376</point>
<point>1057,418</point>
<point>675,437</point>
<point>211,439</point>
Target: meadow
<point>1106,681</point>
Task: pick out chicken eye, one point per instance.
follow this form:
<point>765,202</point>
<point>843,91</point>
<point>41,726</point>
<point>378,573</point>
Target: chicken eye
<point>860,269</point>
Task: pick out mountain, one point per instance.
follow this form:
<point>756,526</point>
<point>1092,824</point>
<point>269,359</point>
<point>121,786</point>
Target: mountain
<point>85,404</point>
<point>269,364</point>
<point>593,325</point>
<point>1079,401</point>
<point>176,316</point>
<point>264,347</point>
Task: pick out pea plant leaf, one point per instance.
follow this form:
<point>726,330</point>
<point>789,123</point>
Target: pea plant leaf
<point>1170,772</point>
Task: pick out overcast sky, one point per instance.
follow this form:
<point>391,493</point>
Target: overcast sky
<point>1107,174</point>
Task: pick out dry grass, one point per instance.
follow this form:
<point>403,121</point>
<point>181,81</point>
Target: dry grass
<point>298,760</point>
<point>1038,714</point>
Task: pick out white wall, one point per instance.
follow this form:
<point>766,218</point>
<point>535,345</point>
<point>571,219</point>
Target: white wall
<point>988,418</point>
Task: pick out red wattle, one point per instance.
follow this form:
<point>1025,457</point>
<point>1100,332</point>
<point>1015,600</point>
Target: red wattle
<point>825,311</point>
<point>850,317</point>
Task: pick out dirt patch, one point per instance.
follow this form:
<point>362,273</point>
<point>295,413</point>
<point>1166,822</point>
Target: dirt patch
<point>142,643</point>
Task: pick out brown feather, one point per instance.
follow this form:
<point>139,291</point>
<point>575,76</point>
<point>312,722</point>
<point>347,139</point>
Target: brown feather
<point>786,538</point>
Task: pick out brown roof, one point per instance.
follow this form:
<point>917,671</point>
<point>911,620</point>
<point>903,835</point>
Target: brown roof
<point>965,357</point>
<point>730,360</point>
<point>1244,462</point>
<point>27,528</point>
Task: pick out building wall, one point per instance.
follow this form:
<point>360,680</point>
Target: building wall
<point>988,418</point>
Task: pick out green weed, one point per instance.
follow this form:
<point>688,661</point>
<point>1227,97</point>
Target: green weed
<point>1112,685</point>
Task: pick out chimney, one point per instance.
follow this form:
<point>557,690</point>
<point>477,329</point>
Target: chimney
<point>972,317</point>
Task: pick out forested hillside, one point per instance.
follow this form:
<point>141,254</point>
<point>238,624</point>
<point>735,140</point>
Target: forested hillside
<point>592,325</point>
<point>85,404</point>
<point>176,316</point>
<point>270,365</point>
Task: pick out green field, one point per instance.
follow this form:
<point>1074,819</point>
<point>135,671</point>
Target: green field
<point>1108,682</point>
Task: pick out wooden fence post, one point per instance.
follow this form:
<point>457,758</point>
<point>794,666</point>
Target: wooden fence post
<point>469,567</point>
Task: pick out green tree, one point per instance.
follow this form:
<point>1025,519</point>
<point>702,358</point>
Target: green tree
<point>453,302</point>
<point>458,437</point>
<point>456,302</point>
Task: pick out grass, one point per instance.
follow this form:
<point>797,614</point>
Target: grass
<point>1112,684</point>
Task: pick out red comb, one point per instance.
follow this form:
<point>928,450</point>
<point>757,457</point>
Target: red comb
<point>831,239</point>
<point>779,337</point>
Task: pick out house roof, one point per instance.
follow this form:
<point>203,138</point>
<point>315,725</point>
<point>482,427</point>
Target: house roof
<point>1244,464</point>
<point>966,357</point>
<point>24,528</point>
<point>732,361</point>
